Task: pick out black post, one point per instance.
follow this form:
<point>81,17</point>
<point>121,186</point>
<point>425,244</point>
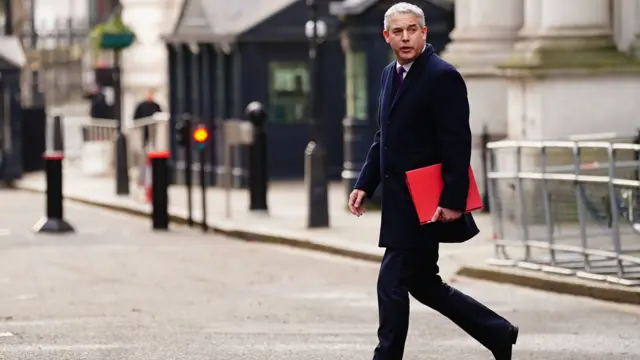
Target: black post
<point>183,140</point>
<point>159,189</point>
<point>258,160</point>
<point>8,18</point>
<point>315,153</point>
<point>188,174</point>
<point>36,95</point>
<point>122,166</point>
<point>58,140</point>
<point>636,140</point>
<point>203,186</point>
<point>636,157</point>
<point>54,221</point>
<point>485,168</point>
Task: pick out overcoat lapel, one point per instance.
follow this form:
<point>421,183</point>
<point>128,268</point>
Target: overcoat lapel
<point>412,75</point>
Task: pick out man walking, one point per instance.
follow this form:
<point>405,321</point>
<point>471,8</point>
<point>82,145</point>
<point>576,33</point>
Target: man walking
<point>424,120</point>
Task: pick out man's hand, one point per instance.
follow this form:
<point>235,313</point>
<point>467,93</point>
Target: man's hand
<point>356,202</point>
<point>445,215</point>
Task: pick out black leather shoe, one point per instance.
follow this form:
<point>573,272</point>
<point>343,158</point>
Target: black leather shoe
<point>505,351</point>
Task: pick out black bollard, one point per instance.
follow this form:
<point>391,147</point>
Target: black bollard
<point>58,139</point>
<point>258,161</point>
<point>485,168</point>
<point>159,189</point>
<point>54,221</point>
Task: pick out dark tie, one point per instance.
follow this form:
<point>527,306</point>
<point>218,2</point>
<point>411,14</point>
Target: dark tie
<point>400,75</point>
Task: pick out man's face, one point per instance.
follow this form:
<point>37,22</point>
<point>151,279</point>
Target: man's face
<point>151,94</point>
<point>406,37</point>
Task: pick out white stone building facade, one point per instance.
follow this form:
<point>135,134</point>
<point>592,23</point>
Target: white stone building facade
<point>540,69</point>
<point>534,68</point>
<point>144,64</point>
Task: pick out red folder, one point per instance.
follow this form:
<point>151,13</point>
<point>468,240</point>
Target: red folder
<point>425,185</point>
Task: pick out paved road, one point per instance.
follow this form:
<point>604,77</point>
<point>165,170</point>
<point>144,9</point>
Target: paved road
<point>115,290</point>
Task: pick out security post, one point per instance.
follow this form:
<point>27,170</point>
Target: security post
<point>54,221</point>
<point>159,189</point>
<point>58,140</point>
<point>258,170</point>
<point>183,139</point>
<point>200,136</point>
<point>485,168</point>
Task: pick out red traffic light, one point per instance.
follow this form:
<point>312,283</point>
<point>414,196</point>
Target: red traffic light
<point>200,134</point>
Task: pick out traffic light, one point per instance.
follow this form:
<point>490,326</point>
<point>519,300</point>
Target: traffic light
<point>200,136</point>
<point>183,131</point>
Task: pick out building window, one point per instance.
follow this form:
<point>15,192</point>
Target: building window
<point>357,94</point>
<point>288,91</point>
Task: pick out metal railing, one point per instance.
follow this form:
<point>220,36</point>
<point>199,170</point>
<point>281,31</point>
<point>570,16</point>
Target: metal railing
<point>567,207</point>
<point>82,130</point>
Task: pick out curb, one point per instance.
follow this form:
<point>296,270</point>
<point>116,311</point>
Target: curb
<point>245,235</point>
<point>553,283</point>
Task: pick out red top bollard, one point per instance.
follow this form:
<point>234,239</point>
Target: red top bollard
<point>159,189</point>
<point>158,155</point>
<point>53,156</point>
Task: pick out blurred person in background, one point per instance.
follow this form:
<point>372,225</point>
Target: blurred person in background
<point>145,109</point>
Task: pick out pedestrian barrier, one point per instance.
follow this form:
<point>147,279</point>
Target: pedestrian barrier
<point>98,139</point>
<point>157,139</point>
<point>567,207</point>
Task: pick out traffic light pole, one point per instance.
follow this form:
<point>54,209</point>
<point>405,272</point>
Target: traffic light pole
<point>203,185</point>
<point>187,177</point>
<point>200,136</point>
<point>183,132</point>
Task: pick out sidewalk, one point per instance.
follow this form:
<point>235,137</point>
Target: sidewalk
<point>285,223</point>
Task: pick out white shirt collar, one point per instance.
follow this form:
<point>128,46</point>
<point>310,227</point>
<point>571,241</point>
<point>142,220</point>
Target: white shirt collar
<point>408,66</point>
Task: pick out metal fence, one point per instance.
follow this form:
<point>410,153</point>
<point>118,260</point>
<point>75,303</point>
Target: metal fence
<point>567,207</point>
<point>58,61</point>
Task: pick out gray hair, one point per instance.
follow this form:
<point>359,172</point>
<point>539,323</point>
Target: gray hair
<point>404,8</point>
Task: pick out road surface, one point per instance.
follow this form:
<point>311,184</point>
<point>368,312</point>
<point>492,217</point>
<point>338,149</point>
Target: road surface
<point>116,290</point>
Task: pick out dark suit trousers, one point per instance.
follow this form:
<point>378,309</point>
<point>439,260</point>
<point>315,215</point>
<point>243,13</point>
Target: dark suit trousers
<point>415,272</point>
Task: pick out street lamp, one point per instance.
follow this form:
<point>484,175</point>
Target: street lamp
<point>114,35</point>
<point>315,153</point>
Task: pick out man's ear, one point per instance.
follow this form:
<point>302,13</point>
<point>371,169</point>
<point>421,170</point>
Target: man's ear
<point>385,34</point>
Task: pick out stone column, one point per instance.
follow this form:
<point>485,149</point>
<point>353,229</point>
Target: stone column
<point>484,34</point>
<point>530,26</point>
<point>568,28</point>
<point>576,18</point>
<point>568,76</point>
<point>144,64</point>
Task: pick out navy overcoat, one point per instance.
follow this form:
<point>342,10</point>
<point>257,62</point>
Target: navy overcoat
<point>424,122</point>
